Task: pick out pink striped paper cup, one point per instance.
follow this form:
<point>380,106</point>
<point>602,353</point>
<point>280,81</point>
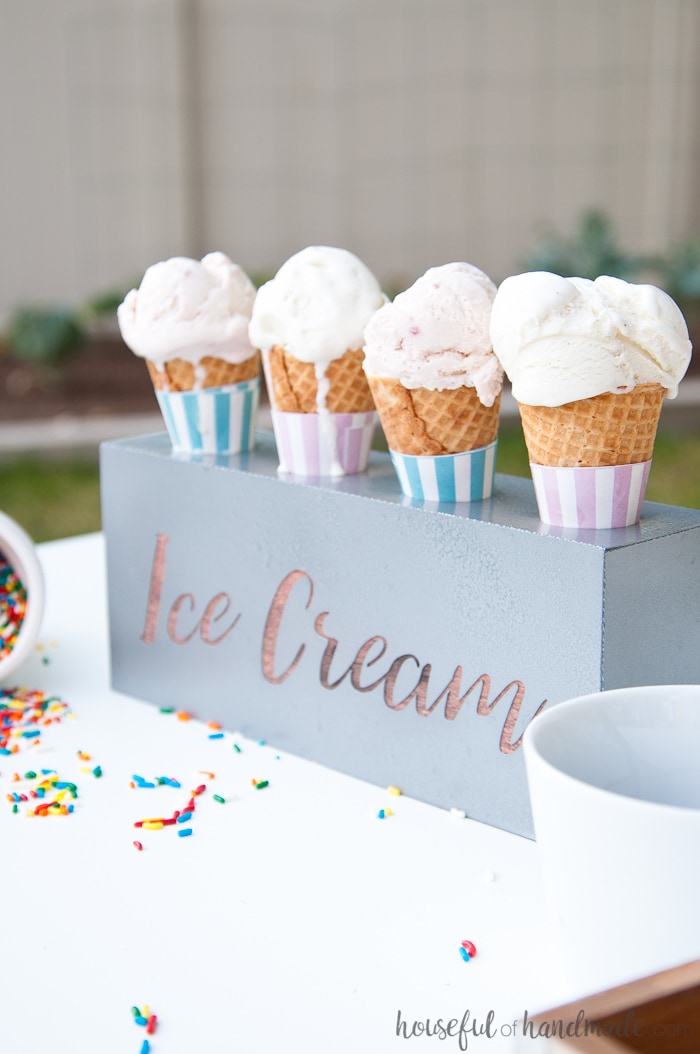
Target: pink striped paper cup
<point>594,498</point>
<point>323,444</point>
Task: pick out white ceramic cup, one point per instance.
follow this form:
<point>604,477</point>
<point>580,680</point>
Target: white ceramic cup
<point>18,549</point>
<point>614,782</point>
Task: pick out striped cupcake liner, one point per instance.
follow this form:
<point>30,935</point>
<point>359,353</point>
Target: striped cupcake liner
<point>323,444</point>
<point>461,477</point>
<point>593,498</point>
<point>212,420</point>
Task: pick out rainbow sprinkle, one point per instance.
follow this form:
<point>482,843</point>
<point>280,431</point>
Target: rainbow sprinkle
<point>145,1019</point>
<point>179,816</point>
<point>13,607</point>
<point>23,716</point>
<point>43,794</point>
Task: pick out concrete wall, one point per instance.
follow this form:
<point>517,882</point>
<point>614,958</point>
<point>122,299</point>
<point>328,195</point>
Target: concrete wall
<point>411,131</point>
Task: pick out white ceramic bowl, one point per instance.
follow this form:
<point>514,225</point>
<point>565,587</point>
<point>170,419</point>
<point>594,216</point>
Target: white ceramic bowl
<point>18,549</point>
<point>614,781</point>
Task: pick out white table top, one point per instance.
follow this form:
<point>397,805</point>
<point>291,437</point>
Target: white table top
<point>292,920</point>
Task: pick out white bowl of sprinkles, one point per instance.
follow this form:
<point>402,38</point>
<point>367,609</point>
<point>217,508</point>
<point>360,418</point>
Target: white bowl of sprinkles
<point>21,596</point>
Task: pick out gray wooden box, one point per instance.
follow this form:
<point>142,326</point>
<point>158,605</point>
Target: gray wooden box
<point>400,642</point>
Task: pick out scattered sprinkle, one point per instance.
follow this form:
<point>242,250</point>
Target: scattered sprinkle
<point>45,797</point>
<point>237,748</point>
<point>139,846</point>
<point>23,716</point>
<point>259,784</point>
<point>216,735</point>
<point>465,954</point>
<point>469,948</point>
<point>394,790</point>
<point>145,1019</point>
<point>217,797</point>
<point>459,814</point>
<point>185,832</point>
<point>139,781</point>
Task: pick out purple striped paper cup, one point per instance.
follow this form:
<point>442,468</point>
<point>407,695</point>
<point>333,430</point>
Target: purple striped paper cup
<point>323,444</point>
<point>594,498</point>
<point>449,477</point>
<point>212,420</point>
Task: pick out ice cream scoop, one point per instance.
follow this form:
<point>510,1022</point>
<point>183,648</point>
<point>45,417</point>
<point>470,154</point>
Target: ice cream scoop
<point>437,384</point>
<point>564,339</point>
<point>189,319</point>
<point>435,335</point>
<point>590,363</point>
<point>435,379</point>
<point>309,322</point>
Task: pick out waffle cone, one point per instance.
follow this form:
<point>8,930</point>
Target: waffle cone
<point>419,421</point>
<point>294,384</point>
<point>178,375</point>
<point>606,429</point>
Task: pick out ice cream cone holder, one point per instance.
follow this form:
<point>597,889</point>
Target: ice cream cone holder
<point>404,640</point>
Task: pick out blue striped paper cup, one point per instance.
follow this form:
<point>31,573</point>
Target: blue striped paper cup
<point>323,444</point>
<point>593,498</point>
<point>449,477</point>
<point>212,420</point>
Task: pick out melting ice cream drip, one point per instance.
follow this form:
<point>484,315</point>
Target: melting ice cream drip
<point>326,420</point>
<point>200,374</point>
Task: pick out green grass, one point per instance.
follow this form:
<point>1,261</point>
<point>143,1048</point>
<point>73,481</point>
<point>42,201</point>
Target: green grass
<point>56,499</point>
<point>51,499</point>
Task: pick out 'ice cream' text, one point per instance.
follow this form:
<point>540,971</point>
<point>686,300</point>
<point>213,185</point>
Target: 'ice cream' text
<point>213,623</point>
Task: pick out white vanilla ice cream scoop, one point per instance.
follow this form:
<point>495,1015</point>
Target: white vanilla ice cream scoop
<point>565,339</point>
<point>188,309</point>
<point>435,335</point>
<point>317,306</point>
